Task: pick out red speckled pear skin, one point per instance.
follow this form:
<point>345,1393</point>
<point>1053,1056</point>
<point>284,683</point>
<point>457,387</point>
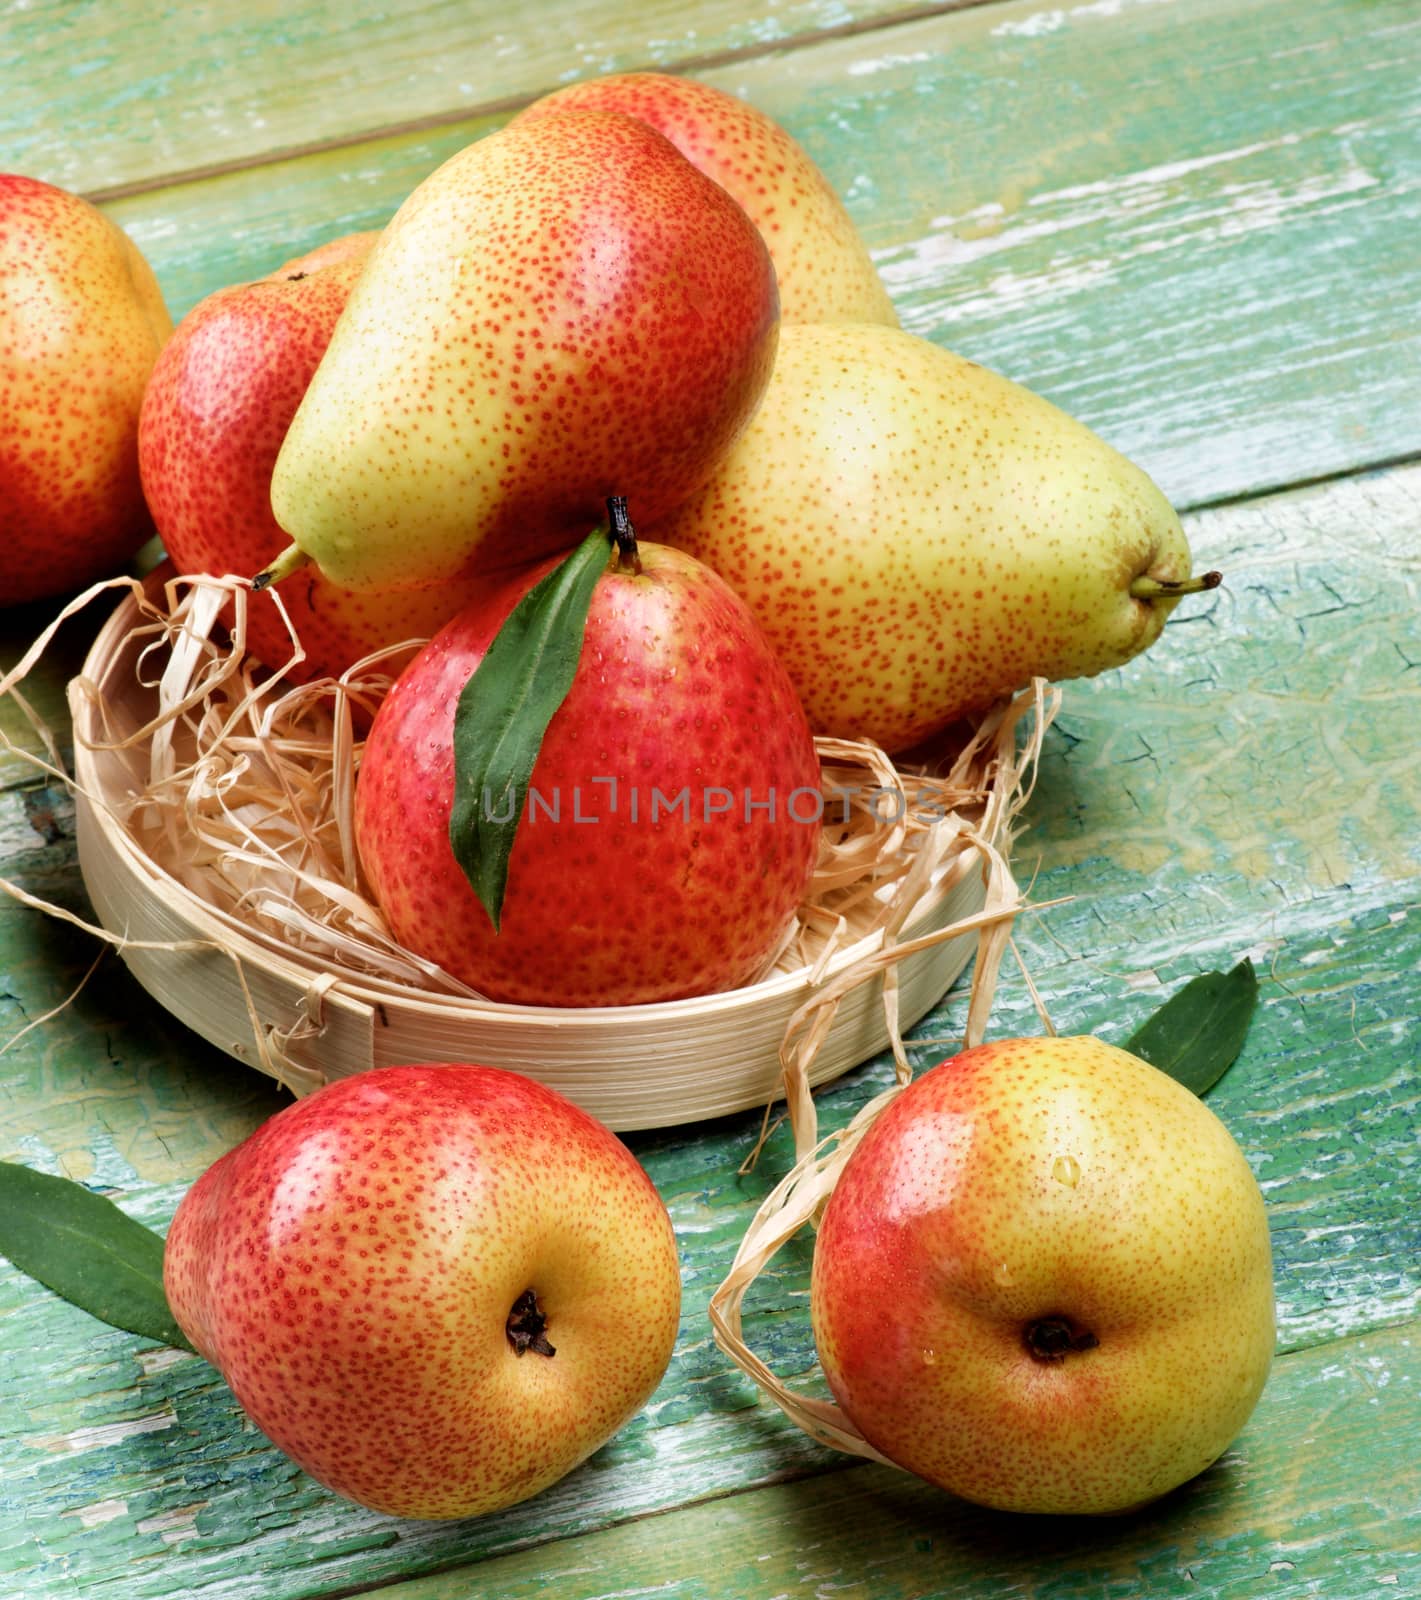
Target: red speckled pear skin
<point>1066,1187</point>
<point>919,537</point>
<point>825,272</point>
<point>216,410</point>
<point>350,1270</point>
<point>565,310</point>
<point>81,322</point>
<point>675,690</point>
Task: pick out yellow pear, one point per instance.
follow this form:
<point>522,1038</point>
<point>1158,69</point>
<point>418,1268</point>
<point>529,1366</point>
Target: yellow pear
<point>920,536</point>
<point>1043,1280</point>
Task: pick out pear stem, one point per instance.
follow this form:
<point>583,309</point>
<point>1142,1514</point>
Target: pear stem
<point>1144,588</point>
<point>625,539</point>
<point>291,559</point>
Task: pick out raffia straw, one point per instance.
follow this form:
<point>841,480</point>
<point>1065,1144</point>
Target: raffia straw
<point>801,1195</point>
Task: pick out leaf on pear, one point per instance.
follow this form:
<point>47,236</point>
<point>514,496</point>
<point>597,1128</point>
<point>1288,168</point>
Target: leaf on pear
<point>504,711</point>
<point>1198,1032</point>
<point>82,1246</point>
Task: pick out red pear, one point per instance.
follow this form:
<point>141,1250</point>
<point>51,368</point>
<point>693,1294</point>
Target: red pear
<point>1043,1280</point>
<point>217,408</point>
<point>671,822</point>
<point>436,1288</point>
<point>565,310</point>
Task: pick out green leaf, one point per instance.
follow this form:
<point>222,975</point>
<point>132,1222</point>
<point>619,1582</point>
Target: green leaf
<point>83,1247</point>
<point>504,711</point>
<point>1197,1033</point>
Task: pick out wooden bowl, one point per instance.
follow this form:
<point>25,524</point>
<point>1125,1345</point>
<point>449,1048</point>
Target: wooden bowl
<point>283,1012</point>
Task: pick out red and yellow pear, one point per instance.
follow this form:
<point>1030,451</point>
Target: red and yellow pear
<point>82,321</point>
<point>671,821</point>
<point>1043,1280</point>
<point>438,1289</point>
<point>564,311</point>
<point>824,269</point>
<point>919,537</point>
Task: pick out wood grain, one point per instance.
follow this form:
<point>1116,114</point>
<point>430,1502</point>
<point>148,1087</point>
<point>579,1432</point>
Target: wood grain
<point>101,98</point>
<point>1186,222</point>
<point>1256,1523</point>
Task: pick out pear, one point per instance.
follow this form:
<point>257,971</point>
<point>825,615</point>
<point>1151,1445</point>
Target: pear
<point>920,536</point>
<point>671,822</point>
<point>215,412</point>
<point>824,269</point>
<point>344,247</point>
<point>82,321</point>
<point>436,1288</point>
<point>1044,1281</point>
<point>565,310</point>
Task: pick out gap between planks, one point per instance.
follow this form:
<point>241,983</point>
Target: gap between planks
<point>1244,497</point>
<point>507,105</point>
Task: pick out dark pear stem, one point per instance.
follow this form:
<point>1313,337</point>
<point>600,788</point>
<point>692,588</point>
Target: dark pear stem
<point>1054,1337</point>
<point>1145,588</point>
<point>525,1326</point>
<point>291,559</point>
<point>625,539</point>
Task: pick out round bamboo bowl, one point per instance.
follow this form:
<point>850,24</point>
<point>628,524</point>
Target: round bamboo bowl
<point>282,1011</point>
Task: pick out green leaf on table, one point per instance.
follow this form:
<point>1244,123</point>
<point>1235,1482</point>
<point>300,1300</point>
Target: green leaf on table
<point>504,711</point>
<point>1198,1032</point>
<point>82,1246</point>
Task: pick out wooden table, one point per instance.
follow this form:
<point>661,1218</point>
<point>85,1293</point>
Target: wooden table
<point>1197,225</point>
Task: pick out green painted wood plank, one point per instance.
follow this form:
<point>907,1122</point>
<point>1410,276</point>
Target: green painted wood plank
<point>98,97</point>
<point>1254,1524</point>
<point>1100,201</point>
<point>136,1475</point>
